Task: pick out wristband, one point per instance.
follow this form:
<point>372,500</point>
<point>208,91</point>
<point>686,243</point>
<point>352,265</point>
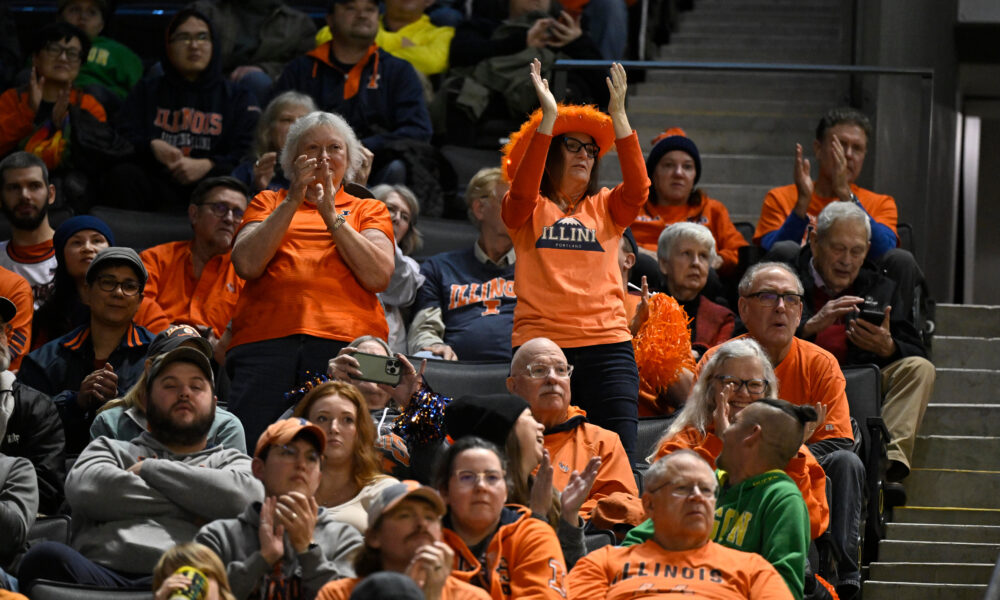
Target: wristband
<point>338,223</point>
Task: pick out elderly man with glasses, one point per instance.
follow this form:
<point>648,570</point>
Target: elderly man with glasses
<point>540,374</point>
<point>770,307</point>
<point>194,281</point>
<point>681,556</point>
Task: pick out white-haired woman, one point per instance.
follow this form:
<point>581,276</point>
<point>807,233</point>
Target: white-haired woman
<point>735,375</point>
<point>314,258</point>
<point>262,171</point>
<point>685,253</point>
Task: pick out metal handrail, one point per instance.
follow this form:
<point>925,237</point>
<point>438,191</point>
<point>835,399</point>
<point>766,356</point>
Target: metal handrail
<point>993,589</point>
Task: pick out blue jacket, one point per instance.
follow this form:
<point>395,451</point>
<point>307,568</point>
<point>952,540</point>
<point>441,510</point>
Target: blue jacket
<point>59,367</point>
<point>389,104</point>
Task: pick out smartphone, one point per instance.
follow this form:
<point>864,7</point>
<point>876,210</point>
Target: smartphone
<point>380,369</point>
<point>874,317</point>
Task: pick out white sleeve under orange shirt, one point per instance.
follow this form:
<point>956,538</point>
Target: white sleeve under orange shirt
<point>568,284</point>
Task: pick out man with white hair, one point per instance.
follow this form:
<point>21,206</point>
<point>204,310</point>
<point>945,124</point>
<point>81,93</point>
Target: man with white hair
<point>856,313</point>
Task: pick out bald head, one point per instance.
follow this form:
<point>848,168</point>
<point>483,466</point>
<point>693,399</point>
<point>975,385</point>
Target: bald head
<point>782,426</point>
<point>548,395</point>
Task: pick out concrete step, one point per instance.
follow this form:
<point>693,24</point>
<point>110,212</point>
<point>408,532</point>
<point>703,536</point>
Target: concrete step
<point>751,53</point>
<point>926,532</point>
<point>734,85</point>
<point>957,452</point>
<point>978,573</point>
<point>743,36</point>
<point>967,352</point>
<point>770,138</point>
<point>942,487</point>
<point>680,107</point>
<point>707,27</point>
<point>890,551</point>
<point>961,419</point>
<point>939,515</point>
<point>963,385</point>
<point>970,320</point>
<point>891,590</point>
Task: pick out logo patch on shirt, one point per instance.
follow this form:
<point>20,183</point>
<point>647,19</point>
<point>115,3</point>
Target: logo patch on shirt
<point>569,234</point>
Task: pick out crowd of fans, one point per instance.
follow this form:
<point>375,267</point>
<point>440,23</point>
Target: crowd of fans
<point>246,410</point>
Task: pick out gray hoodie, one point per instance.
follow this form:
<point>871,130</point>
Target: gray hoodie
<point>18,504</point>
<point>125,521</point>
<point>237,543</point>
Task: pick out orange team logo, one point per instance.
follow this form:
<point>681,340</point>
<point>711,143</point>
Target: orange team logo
<point>489,293</point>
<point>569,233</point>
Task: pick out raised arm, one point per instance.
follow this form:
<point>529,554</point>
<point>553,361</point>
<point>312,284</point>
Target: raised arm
<point>626,200</point>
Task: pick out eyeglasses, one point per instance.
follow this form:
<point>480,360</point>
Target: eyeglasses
<point>540,371</point>
<point>686,490</point>
<point>55,50</point>
<point>469,479</point>
<point>395,210</point>
<point>129,287</point>
<point>221,209</point>
<point>292,454</point>
<point>753,386</point>
<point>574,145</point>
<point>191,38</point>
<point>772,298</point>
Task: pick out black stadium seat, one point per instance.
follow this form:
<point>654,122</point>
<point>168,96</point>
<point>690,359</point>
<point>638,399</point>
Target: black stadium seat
<point>456,378</point>
<point>443,235</point>
<point>650,430</point>
<point>864,395</point>
<point>54,590</point>
<point>141,230</point>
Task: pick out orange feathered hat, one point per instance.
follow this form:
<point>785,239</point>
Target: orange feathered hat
<point>572,117</point>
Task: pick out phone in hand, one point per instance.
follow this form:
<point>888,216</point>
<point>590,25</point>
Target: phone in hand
<point>380,369</point>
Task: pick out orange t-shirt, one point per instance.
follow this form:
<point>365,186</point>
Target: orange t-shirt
<point>16,289</point>
<point>803,468</point>
<point>647,570</point>
<point>207,301</point>
<point>569,288</point>
<point>780,202</point>
<point>614,488</point>
<point>454,589</point>
<point>807,375</point>
<point>307,288</point>
<point>711,213</point>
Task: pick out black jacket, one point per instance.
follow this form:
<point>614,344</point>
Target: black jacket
<point>870,283</point>
<point>35,432</point>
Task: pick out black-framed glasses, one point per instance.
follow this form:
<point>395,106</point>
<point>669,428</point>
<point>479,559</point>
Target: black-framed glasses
<point>55,50</point>
<point>191,38</point>
<point>772,298</point>
<point>754,386</point>
<point>129,287</point>
<point>221,209</point>
<point>540,371</point>
<point>573,145</point>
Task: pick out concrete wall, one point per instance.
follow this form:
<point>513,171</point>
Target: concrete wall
<point>914,33</point>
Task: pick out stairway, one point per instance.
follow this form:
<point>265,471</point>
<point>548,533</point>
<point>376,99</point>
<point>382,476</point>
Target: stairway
<point>745,124</point>
<point>944,543</point>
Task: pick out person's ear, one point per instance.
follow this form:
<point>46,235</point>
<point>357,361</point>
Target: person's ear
<point>817,146</point>
<point>647,504</point>
<point>813,241</point>
<point>741,307</point>
<point>257,468</point>
<point>192,213</point>
<point>52,194</point>
<point>629,260</point>
<point>510,385</point>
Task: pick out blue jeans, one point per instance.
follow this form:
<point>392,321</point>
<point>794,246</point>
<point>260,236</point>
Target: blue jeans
<point>263,372</point>
<point>607,25</point>
<point>847,480</point>
<point>59,562</point>
<point>605,383</point>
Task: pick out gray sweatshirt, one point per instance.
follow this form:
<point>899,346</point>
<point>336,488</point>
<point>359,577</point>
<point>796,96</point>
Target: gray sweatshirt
<point>125,521</point>
<point>237,543</point>
<point>18,504</point>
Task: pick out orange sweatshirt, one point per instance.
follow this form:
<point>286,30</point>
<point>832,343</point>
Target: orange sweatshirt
<point>569,288</point>
<point>208,301</point>
<point>16,289</point>
<point>709,212</point>
<point>804,470</point>
<point>523,560</point>
<point>647,570</point>
<point>780,202</point>
<point>614,496</point>
<point>454,589</point>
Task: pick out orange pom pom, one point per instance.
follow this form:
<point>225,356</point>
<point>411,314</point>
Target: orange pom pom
<point>663,344</point>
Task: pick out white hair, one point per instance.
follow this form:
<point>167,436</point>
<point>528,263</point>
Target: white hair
<point>841,211</point>
<point>681,231</point>
<point>321,119</point>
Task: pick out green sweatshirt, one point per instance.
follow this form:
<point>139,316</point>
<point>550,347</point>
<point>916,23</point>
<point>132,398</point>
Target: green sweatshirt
<point>764,514</point>
<point>112,65</point>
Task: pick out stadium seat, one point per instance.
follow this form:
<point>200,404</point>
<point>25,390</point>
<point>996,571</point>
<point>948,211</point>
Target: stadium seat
<point>650,430</point>
<point>467,162</point>
<point>746,228</point>
<point>55,590</point>
<point>904,231</point>
<point>141,230</point>
<point>597,538</point>
<point>864,395</point>
<point>443,235</point>
<point>456,378</point>
<point>44,529</point>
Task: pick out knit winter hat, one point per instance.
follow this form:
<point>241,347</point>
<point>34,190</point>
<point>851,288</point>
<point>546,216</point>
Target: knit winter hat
<point>79,223</point>
<point>668,141</point>
<point>489,417</point>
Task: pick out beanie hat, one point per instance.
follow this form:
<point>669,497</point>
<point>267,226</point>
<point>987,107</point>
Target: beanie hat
<point>490,417</point>
<point>668,141</point>
<point>76,224</point>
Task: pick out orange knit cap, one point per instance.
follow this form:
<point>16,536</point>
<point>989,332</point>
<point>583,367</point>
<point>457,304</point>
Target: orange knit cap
<point>572,117</point>
<point>668,133</point>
